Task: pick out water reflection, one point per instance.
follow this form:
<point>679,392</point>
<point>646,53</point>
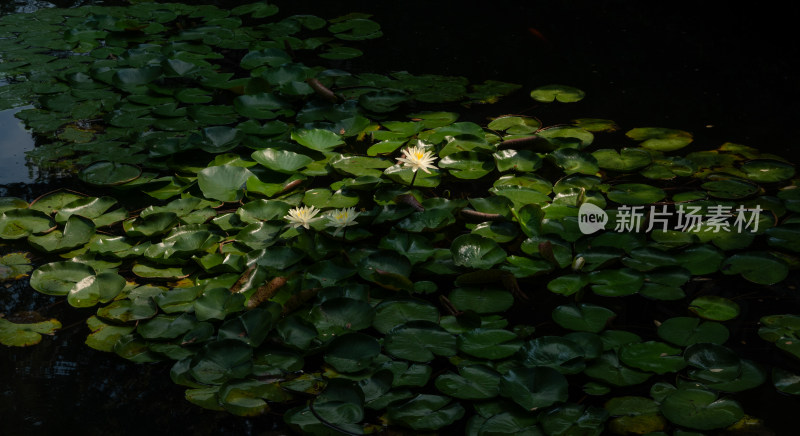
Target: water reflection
<point>15,141</point>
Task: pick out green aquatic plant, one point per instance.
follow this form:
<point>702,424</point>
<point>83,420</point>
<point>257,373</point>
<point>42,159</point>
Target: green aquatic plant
<point>249,221</point>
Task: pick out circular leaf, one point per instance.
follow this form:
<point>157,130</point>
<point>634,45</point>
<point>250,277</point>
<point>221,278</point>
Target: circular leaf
<point>714,308</point>
<point>105,173</point>
<point>474,251</point>
<point>700,409</point>
<point>562,93</point>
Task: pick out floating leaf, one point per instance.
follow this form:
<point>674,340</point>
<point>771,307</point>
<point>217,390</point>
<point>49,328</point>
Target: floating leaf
<point>20,223</point>
<point>562,93</point>
<point>224,183</point>
<point>700,409</point>
<point>533,388</point>
<point>24,335</point>
<point>475,251</point>
<point>757,267</point>
<point>660,139</point>
<point>714,308</point>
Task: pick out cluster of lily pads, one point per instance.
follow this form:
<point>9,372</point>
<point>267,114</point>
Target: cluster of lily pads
<point>316,243</point>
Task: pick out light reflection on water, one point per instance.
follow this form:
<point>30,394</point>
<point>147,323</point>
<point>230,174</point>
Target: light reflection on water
<point>15,141</point>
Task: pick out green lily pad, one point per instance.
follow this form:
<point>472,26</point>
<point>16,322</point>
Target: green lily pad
<point>561,354</point>
<point>574,161</point>
<point>356,29</point>
<point>93,289</point>
<point>492,344</point>
<point>107,173</point>
<point>475,382</point>
<point>660,139</point>
<point>14,266</point>
<point>783,330</point>
<point>730,189</point>
<point>533,388</point>
<point>352,352</point>
<point>281,160</point>
<point>24,335</point>
<point>584,317</point>
<point>58,278</point>
<point>474,251</point>
<point>757,267</point>
<point>513,125</point>
<point>714,308</point>
<point>224,182</point>
<point>425,412</point>
<point>317,139</point>
<point>684,331</point>
<point>652,356</point>
<point>609,369</point>
<point>562,93</point>
<point>77,232</point>
<point>624,160</point>
<point>700,409</point>
<point>467,164</point>
<point>767,171</point>
<point>786,381</point>
<point>521,161</point>
<point>481,300</point>
<point>635,194</point>
<point>391,313</point>
<point>419,341</point>
<point>21,223</point>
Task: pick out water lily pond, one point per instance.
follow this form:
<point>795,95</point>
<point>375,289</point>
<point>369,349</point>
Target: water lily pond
<point>264,218</point>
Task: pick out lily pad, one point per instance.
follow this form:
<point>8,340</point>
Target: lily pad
<point>21,223</point>
<point>700,409</point>
<point>562,93</point>
<point>714,308</point>
<point>107,173</point>
<point>757,267</point>
<point>660,139</point>
<point>474,251</point>
<point>584,317</point>
<point>635,194</point>
<point>24,335</point>
<point>684,331</point>
<point>533,388</point>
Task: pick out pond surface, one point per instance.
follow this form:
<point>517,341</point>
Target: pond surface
<point>715,72</point>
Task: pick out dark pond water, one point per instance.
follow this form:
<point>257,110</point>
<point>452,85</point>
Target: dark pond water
<point>723,73</point>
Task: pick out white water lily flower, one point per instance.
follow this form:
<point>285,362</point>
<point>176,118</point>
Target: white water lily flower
<point>342,218</point>
<point>302,216</point>
<point>418,159</point>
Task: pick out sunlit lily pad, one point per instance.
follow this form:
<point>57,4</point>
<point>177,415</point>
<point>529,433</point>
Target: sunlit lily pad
<point>714,308</point>
<point>635,194</point>
<point>20,223</point>
<point>660,139</point>
<point>767,171</point>
<point>562,93</point>
<point>624,160</point>
<point>23,335</point>
<point>475,251</point>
